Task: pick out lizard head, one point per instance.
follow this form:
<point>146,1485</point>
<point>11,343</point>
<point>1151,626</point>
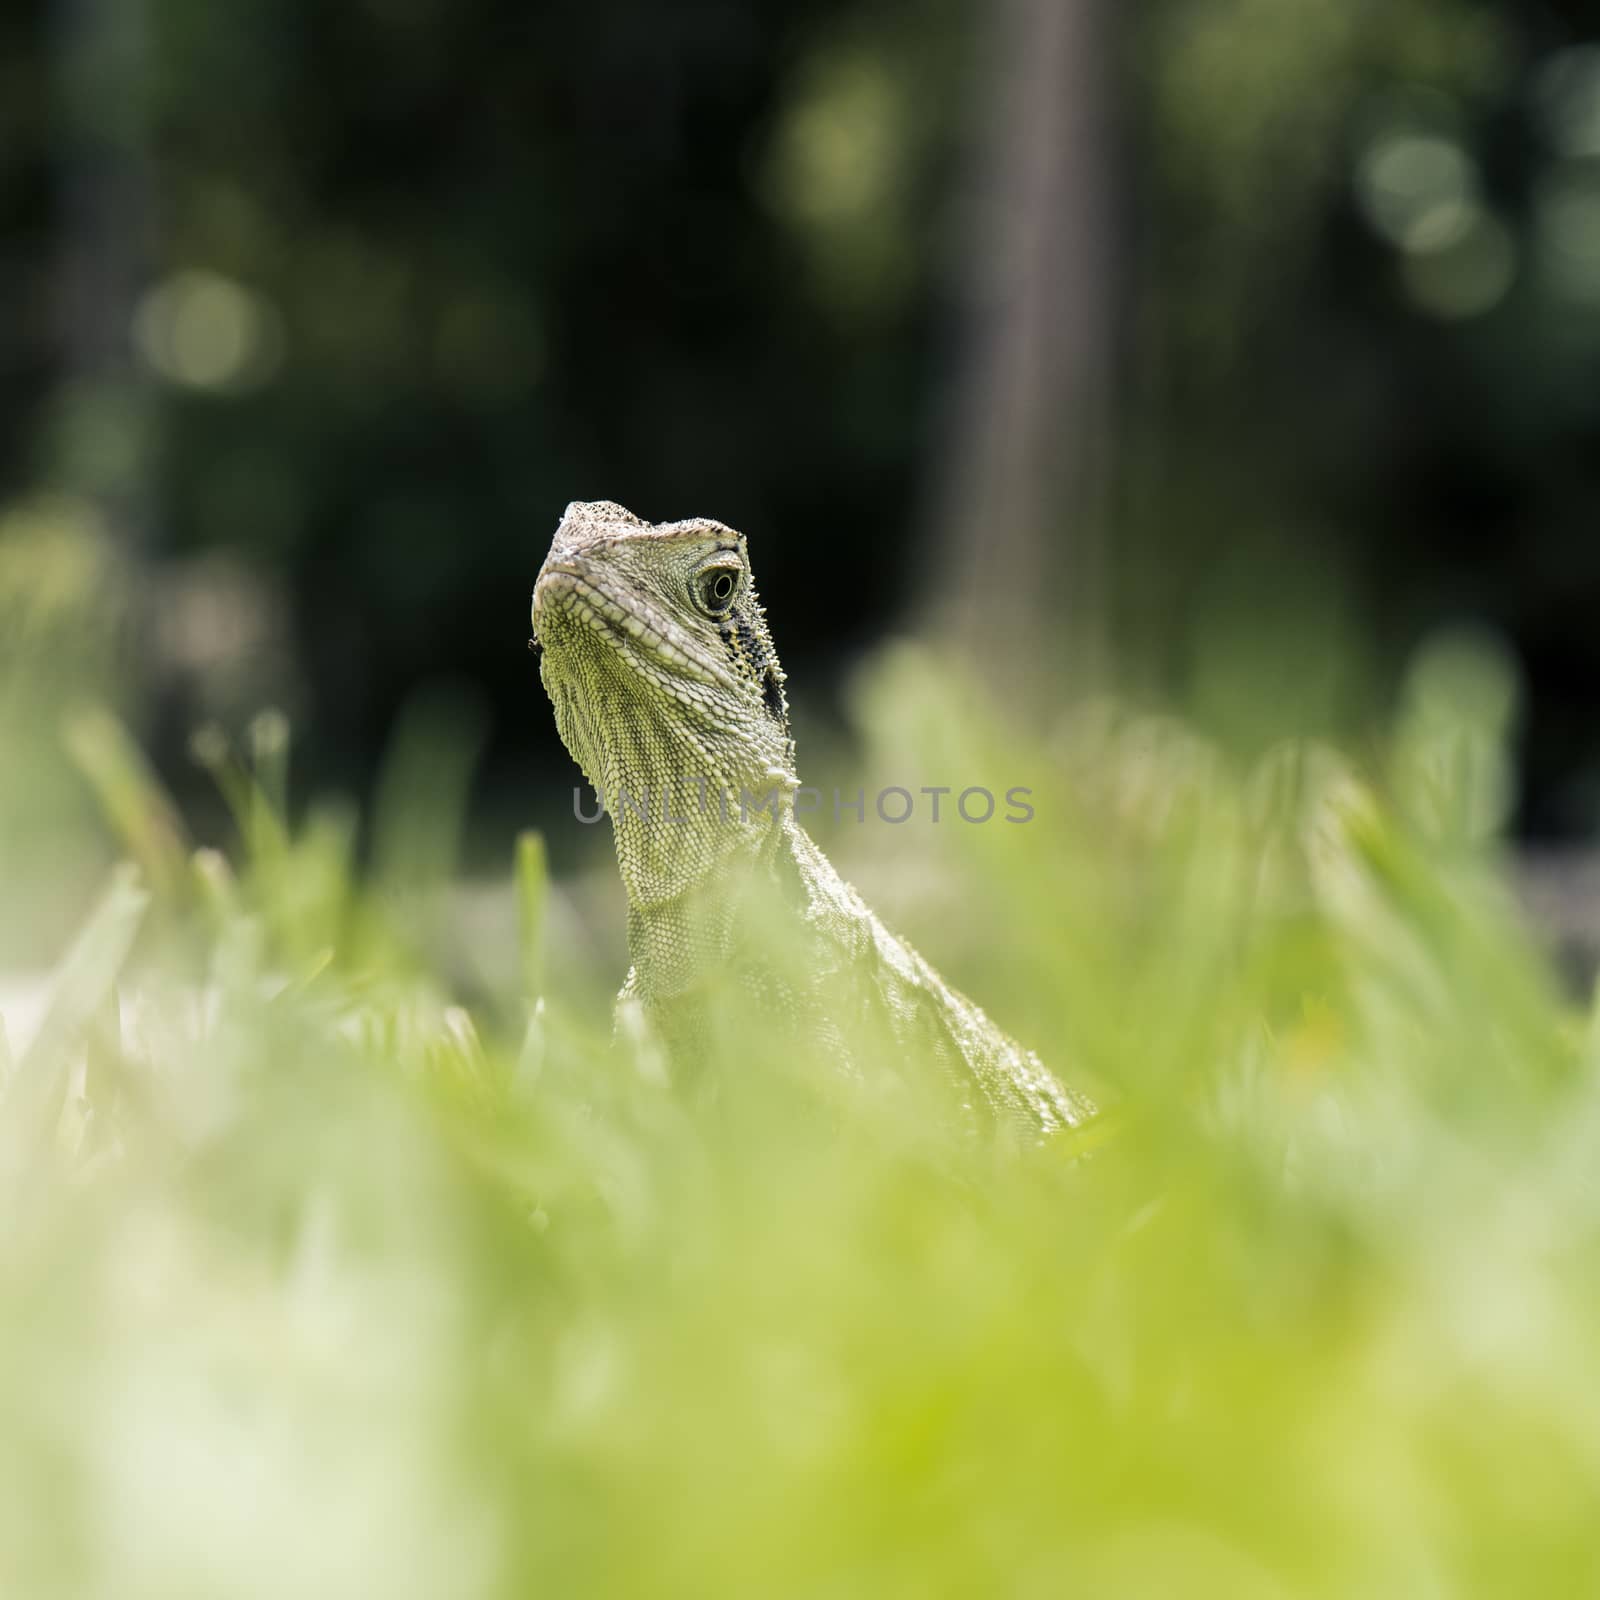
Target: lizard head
<point>656,654</point>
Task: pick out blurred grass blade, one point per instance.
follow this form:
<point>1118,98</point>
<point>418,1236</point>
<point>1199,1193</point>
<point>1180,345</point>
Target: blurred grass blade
<point>533,899</point>
<point>269,754</point>
<point>422,792</point>
<point>79,990</point>
<point>260,824</point>
<point>134,802</point>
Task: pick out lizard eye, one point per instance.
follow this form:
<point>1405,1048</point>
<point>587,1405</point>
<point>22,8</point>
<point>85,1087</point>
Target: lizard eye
<point>717,589</point>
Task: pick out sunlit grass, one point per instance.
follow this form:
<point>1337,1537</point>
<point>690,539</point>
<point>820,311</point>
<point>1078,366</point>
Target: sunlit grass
<point>320,1281</point>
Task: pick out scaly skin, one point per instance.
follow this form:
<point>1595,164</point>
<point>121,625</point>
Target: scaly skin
<point>669,695</point>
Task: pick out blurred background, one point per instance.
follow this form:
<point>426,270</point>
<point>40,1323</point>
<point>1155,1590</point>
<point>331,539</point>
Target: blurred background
<point>1145,346</point>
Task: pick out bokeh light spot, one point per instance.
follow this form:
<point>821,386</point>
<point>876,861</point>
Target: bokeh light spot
<point>1468,277</point>
<point>204,331</point>
<point>1567,226</point>
<point>840,149</point>
<point>1567,92</point>
<point>1418,190</point>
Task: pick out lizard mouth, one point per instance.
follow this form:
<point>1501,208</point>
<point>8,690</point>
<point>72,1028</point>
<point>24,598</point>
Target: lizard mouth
<point>630,623</point>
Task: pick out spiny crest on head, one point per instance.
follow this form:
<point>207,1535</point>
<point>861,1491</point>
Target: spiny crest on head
<point>588,521</point>
<point>601,511</point>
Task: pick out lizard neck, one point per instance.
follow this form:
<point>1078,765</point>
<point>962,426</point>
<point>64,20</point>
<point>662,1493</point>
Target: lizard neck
<point>690,904</point>
<point>692,833</point>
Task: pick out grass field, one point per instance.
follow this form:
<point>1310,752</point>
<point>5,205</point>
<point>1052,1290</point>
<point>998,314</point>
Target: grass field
<point>333,1265</point>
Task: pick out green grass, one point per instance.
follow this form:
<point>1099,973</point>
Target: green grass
<point>319,1281</point>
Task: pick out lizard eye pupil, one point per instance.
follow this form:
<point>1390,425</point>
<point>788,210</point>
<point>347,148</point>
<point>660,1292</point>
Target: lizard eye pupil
<point>720,590</point>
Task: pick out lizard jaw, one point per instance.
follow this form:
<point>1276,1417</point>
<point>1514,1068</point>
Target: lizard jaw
<point>627,620</point>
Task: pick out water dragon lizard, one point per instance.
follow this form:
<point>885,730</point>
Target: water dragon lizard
<point>668,693</point>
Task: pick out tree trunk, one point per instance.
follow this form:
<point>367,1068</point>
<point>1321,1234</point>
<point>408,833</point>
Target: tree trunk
<point>1019,570</point>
